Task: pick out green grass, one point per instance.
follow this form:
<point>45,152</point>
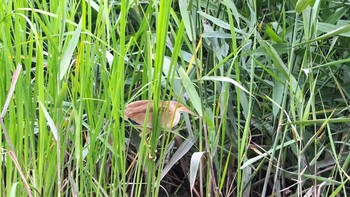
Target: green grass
<point>269,81</point>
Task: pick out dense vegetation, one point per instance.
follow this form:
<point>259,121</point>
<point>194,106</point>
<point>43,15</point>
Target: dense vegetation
<point>269,81</point>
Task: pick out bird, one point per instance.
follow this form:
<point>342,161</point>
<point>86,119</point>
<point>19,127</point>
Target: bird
<point>170,113</point>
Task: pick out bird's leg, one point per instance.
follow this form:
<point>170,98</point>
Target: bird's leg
<point>148,131</point>
<point>153,158</point>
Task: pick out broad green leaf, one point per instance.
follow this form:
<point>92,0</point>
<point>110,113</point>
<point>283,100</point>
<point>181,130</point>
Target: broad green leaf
<point>191,91</point>
<point>226,79</point>
<point>195,162</point>
<point>277,95</point>
<point>49,120</point>
<point>333,18</point>
<point>185,14</point>
<point>61,95</point>
<point>93,4</point>
<point>278,63</point>
<point>180,152</point>
<point>307,107</point>
<point>14,189</point>
<point>281,48</point>
<point>235,12</point>
<point>341,31</point>
<point>272,34</point>
<point>281,67</point>
<point>302,5</point>
<point>215,20</point>
<point>216,34</point>
<point>326,27</point>
<point>67,56</point>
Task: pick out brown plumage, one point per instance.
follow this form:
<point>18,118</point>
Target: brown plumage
<point>170,112</point>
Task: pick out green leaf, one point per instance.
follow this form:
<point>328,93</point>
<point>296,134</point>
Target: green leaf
<point>191,91</point>
<point>272,34</point>
<point>13,189</point>
<point>302,5</point>
<point>180,152</point>
<point>282,69</point>
<point>339,188</point>
<point>215,20</point>
<point>195,161</point>
<point>49,120</point>
<point>327,27</point>
<point>226,79</point>
<point>336,16</point>
<point>277,95</point>
<point>266,154</point>
<point>61,95</point>
<point>185,14</point>
<point>216,34</point>
<point>343,31</point>
<point>67,56</point>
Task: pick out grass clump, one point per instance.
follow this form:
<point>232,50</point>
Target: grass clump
<point>268,80</point>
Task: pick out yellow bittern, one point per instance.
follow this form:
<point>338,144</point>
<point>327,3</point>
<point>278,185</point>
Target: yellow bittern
<point>170,113</point>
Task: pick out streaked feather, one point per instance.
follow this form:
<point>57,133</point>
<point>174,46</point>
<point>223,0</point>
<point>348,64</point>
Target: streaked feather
<point>170,117</point>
